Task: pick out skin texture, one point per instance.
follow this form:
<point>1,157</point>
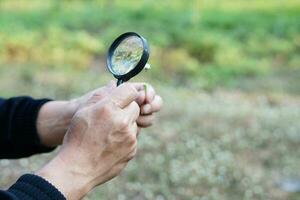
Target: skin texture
<point>101,138</point>
<point>55,116</point>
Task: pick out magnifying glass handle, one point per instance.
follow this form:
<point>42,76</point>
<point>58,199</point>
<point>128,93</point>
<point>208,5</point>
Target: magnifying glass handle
<point>119,82</point>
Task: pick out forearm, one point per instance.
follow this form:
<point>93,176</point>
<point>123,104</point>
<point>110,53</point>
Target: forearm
<point>53,121</point>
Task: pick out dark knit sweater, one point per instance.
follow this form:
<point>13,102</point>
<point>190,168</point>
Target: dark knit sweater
<point>19,138</point>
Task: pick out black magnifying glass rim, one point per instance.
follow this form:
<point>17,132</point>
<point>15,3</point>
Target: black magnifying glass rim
<point>139,66</point>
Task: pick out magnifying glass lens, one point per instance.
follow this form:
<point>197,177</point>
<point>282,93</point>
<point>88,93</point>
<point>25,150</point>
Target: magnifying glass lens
<point>127,55</point>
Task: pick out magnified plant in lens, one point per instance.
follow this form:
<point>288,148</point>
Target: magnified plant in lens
<point>127,55</point>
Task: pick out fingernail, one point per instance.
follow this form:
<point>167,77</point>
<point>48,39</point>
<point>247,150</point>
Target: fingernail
<point>147,109</point>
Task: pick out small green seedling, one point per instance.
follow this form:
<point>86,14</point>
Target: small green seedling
<point>145,88</point>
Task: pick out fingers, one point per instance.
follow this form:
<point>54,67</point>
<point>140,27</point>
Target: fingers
<point>146,109</point>
<point>138,86</point>
<point>123,95</point>
<point>132,111</point>
<point>146,92</point>
<point>145,120</point>
<point>154,106</point>
<point>150,93</point>
<point>141,97</point>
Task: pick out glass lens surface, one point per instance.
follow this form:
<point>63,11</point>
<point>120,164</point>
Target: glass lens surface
<point>127,55</point>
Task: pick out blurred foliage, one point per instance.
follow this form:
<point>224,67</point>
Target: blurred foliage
<point>217,146</point>
<point>213,145</point>
<point>202,42</point>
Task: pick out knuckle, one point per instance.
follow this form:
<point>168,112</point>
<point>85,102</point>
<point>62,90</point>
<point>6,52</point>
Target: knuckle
<point>106,109</point>
<point>132,154</point>
<point>131,139</point>
<point>123,124</point>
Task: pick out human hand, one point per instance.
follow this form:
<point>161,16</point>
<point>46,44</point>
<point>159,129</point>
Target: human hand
<point>54,117</point>
<point>99,143</point>
<point>149,103</point>
<point>147,99</point>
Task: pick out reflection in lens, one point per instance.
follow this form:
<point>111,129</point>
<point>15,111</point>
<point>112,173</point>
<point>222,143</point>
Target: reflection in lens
<point>127,55</point>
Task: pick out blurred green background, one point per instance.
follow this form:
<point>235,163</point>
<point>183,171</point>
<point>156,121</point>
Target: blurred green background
<point>228,71</point>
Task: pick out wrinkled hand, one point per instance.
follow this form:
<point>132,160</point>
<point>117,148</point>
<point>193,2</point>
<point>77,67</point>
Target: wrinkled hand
<point>148,100</point>
<point>54,117</point>
<point>99,143</point>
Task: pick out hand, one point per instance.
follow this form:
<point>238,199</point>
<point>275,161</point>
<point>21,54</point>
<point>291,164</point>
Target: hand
<point>147,99</point>
<point>149,103</point>
<point>54,117</point>
<point>99,143</point>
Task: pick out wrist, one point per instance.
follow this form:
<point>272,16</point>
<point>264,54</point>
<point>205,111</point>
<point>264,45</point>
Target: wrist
<point>53,121</point>
<point>65,177</point>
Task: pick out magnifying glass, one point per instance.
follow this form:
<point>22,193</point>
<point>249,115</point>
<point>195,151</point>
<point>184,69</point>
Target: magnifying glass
<point>127,56</point>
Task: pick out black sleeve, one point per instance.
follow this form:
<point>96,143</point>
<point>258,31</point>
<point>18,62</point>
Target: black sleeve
<point>18,132</point>
<point>31,187</point>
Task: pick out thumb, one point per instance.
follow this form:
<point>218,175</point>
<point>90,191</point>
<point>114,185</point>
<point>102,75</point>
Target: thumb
<point>123,95</point>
